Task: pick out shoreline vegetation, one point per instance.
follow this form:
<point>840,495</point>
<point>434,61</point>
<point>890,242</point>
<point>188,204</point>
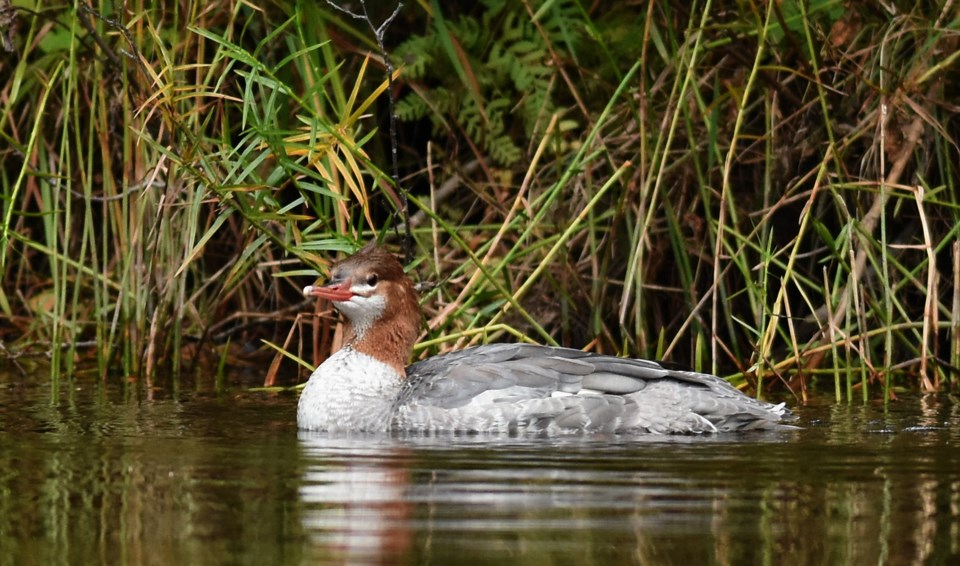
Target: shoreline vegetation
<point>765,191</point>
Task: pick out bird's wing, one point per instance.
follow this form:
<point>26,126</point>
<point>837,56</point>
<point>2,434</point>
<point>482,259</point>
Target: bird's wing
<point>527,371</point>
<point>452,379</point>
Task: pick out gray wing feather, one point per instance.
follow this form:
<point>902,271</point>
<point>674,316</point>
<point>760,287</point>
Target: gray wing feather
<point>497,366</point>
<point>628,392</point>
<point>613,383</point>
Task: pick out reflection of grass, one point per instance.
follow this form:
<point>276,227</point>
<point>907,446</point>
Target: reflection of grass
<point>771,192</point>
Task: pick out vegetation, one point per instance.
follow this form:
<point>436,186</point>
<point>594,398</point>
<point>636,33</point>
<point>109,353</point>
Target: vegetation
<point>765,189</point>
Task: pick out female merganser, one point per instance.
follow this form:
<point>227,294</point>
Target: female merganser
<point>516,388</point>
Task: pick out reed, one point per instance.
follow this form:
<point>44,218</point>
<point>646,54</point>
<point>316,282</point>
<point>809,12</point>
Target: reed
<point>767,191</point>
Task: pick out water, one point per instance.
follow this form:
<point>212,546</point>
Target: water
<point>107,475</point>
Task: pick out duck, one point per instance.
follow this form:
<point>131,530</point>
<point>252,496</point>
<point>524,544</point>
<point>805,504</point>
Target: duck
<point>505,388</point>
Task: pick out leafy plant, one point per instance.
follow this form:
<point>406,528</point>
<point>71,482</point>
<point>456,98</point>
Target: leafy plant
<point>491,75</point>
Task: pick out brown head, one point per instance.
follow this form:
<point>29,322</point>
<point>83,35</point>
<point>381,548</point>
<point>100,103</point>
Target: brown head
<point>381,307</point>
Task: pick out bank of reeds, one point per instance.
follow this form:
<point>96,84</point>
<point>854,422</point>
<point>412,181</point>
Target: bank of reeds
<point>766,190</point>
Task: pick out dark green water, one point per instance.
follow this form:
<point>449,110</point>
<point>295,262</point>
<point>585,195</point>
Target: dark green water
<point>93,475</point>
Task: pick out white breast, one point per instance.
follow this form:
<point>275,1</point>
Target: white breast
<point>350,391</point>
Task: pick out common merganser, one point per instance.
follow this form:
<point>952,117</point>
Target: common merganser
<point>506,388</point>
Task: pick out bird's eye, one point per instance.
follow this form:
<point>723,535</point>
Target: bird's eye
<point>372,279</point>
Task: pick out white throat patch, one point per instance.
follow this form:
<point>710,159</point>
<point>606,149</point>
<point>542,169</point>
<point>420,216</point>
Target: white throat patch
<point>362,311</point>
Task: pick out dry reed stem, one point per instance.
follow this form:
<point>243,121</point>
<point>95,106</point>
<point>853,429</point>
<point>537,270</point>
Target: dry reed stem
<point>955,308</point>
<point>442,316</point>
<point>930,304</point>
<point>868,223</point>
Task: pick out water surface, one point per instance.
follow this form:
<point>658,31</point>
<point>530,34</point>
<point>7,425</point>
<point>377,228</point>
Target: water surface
<point>91,474</point>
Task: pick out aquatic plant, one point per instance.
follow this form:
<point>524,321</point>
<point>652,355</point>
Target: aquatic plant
<point>768,187</point>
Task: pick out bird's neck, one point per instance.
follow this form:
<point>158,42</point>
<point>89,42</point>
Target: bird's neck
<point>391,338</point>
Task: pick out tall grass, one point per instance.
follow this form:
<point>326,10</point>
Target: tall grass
<point>770,188</point>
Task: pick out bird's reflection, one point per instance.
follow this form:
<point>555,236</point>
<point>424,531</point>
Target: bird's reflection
<point>353,496</point>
